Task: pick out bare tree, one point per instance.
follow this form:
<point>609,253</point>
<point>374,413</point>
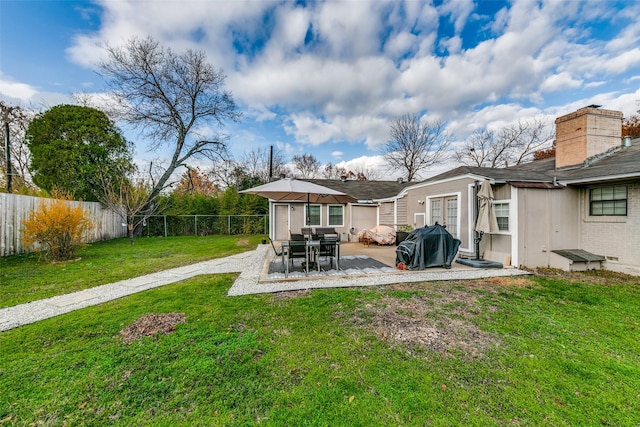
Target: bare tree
<point>365,173</point>
<point>16,119</point>
<point>169,96</point>
<point>256,163</point>
<point>511,145</point>
<point>306,166</point>
<point>415,145</point>
<point>221,172</point>
<point>130,198</point>
<point>331,171</point>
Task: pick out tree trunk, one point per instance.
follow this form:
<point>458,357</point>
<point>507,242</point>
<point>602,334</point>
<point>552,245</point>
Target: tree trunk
<point>130,228</point>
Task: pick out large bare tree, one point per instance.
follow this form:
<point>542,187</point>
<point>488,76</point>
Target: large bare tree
<point>169,96</point>
<point>509,146</point>
<point>415,145</point>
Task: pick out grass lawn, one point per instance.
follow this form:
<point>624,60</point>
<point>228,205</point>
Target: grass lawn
<point>25,278</point>
<point>547,350</point>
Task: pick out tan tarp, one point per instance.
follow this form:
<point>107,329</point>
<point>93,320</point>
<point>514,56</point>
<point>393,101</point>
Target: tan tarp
<point>380,234</point>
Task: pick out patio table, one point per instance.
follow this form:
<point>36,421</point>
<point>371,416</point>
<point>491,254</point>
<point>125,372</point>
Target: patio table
<point>311,253</point>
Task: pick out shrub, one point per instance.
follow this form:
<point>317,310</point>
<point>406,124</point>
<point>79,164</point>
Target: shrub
<point>57,228</point>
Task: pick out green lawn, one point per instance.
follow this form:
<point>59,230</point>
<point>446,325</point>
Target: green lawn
<point>550,350</point>
<point>25,278</point>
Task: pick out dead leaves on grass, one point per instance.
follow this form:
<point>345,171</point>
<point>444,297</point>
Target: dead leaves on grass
<point>152,324</point>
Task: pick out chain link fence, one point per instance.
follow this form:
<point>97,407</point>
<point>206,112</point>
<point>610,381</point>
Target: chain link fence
<point>203,225</point>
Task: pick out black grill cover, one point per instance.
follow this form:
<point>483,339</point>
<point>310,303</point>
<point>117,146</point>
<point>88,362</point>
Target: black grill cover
<point>427,247</point>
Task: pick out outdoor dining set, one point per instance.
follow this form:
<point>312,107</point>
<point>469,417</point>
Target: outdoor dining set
<point>311,245</point>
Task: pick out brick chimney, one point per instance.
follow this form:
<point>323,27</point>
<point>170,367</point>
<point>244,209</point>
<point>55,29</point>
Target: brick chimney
<point>586,133</point>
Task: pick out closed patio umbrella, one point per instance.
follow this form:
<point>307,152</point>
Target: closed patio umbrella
<point>486,221</point>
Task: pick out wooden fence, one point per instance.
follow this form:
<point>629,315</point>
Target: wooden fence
<point>15,209</point>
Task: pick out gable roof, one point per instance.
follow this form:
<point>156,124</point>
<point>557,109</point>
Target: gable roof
<point>364,190</point>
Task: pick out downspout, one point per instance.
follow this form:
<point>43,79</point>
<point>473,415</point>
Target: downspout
<point>476,208</point>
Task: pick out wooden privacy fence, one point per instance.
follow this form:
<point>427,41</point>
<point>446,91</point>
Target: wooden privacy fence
<point>15,209</point>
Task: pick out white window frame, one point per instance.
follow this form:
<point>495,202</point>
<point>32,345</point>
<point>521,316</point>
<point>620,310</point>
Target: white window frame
<point>329,216</point>
<point>509,213</point>
<point>458,196</point>
<point>319,215</point>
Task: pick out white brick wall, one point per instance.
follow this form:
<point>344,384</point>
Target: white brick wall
<point>613,236</point>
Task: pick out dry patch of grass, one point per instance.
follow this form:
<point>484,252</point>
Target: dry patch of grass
<point>243,242</point>
<point>152,324</point>
<point>440,321</point>
<point>287,295</point>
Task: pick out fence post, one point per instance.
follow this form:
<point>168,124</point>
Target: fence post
<point>165,225</point>
<point>195,220</point>
<point>229,224</point>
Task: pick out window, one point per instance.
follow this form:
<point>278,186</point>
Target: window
<point>436,211</point>
<point>502,215</point>
<point>336,215</point>
<point>312,217</point>
<point>444,211</point>
<point>452,216</point>
<point>608,201</point>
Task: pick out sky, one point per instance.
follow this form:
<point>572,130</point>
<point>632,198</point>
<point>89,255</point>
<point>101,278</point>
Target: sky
<point>326,77</point>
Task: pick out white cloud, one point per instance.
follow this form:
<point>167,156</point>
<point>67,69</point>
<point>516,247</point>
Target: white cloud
<point>11,88</point>
<point>559,82</point>
<point>458,11</point>
<point>335,72</point>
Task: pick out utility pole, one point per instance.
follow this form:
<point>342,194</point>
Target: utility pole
<point>270,163</point>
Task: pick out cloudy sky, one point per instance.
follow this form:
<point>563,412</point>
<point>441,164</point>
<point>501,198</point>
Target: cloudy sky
<point>326,77</point>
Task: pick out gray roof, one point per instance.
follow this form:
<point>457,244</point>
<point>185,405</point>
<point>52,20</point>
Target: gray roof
<point>621,163</point>
<point>624,162</point>
<point>364,190</point>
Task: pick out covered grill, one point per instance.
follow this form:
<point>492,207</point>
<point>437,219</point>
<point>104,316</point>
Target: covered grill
<point>426,247</point>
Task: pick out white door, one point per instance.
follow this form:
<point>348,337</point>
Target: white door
<point>444,211</point>
<point>281,226</point>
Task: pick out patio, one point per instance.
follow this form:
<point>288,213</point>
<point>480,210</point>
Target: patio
<point>356,259</point>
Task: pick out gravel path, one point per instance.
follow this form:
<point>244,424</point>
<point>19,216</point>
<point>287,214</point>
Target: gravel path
<point>248,264</point>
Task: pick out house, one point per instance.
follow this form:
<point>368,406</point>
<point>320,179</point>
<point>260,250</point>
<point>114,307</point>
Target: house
<point>286,217</point>
<point>578,210</point>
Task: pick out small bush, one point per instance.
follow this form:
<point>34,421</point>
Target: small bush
<point>57,228</point>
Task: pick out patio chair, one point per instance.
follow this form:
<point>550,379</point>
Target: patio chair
<point>328,248</point>
<point>282,252</point>
<point>307,232</point>
<point>327,232</point>
<point>297,249</point>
